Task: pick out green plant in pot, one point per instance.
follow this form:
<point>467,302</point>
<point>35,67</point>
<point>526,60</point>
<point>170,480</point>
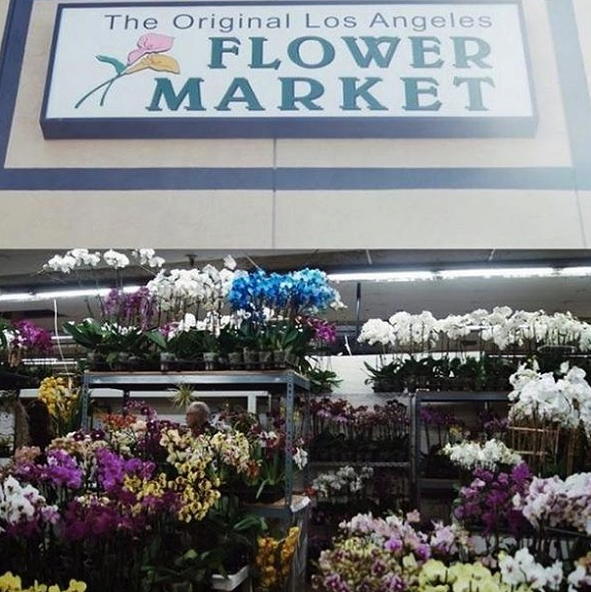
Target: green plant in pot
<point>110,344</point>
<point>385,378</point>
<point>322,381</point>
<point>90,335</point>
<point>230,347</point>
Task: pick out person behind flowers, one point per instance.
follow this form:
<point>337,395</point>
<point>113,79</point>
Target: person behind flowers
<point>197,415</point>
<point>40,430</point>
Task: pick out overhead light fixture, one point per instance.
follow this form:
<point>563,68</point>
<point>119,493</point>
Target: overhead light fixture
<point>575,272</point>
<point>500,272</point>
<point>61,294</point>
<point>466,273</point>
<point>382,276</point>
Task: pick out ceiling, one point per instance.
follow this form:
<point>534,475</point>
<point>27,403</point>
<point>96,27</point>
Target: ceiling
<point>20,271</point>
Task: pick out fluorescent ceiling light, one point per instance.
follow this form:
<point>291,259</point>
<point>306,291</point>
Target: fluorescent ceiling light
<point>452,274</point>
<point>383,276</point>
<point>507,272</point>
<point>575,272</point>
<point>60,294</point>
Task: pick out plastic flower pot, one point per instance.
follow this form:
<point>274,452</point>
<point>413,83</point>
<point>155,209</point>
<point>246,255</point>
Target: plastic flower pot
<point>135,363</point>
<point>235,360</point>
<point>271,494</point>
<point>280,359</point>
<point>209,360</point>
<point>291,359</point>
<point>166,361</point>
<point>121,361</point>
<point>92,359</point>
<point>265,360</point>
<point>251,359</point>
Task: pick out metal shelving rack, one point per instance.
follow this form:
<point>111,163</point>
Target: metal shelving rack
<point>285,383</point>
<point>407,400</point>
<point>418,483</point>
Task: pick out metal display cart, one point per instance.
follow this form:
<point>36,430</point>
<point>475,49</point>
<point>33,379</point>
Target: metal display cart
<point>286,384</point>
<point>418,482</point>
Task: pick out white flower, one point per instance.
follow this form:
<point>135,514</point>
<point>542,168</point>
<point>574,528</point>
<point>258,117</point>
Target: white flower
<point>63,264</point>
<point>578,578</point>
<point>300,458</point>
<point>523,569</point>
<point>148,257</point>
<point>376,331</point>
<point>115,259</point>
<point>229,262</point>
<point>471,455</point>
<point>85,257</point>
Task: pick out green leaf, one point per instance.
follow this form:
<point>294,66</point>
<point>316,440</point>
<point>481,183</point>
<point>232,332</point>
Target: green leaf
<point>119,66</point>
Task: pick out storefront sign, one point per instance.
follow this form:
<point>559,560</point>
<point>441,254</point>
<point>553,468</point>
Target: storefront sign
<point>288,69</point>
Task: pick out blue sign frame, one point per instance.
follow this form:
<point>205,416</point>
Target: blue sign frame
<point>286,127</point>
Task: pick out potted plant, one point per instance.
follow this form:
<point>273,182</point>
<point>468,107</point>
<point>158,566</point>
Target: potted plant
<point>322,381</point>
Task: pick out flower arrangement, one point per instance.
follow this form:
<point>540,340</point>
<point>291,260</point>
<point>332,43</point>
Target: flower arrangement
<point>182,291</point>
<point>522,570</point>
<point>502,328</point>
<point>487,502</point>
<point>342,485</point>
<point>341,431</point>
<point>542,399</point>
<point>557,502</point>
<point>12,583</point>
<point>262,477</point>
<point>138,489</point>
<point>62,401</point>
<point>274,560</point>
<point>489,455</point>
<point>302,293</point>
<point>380,554</point>
<point>181,315</point>
<point>19,340</point>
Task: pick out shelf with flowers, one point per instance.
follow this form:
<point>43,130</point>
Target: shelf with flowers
<point>19,341</point>
<point>344,433</point>
<point>497,541</point>
<point>198,318</point>
<point>477,351</point>
<point>155,504</point>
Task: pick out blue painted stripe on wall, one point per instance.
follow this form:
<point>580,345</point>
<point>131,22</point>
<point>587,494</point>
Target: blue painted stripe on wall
<point>433,178</point>
<point>19,14</point>
<point>137,179</point>
<point>573,84</point>
<point>288,179</point>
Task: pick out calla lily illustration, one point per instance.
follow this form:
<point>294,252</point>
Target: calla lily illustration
<point>150,43</point>
<point>149,55</point>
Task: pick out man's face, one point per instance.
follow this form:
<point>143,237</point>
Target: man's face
<point>194,418</point>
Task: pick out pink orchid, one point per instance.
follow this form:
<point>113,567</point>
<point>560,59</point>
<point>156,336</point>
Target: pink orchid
<point>150,43</point>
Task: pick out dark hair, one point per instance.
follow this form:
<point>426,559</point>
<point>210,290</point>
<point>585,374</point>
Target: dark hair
<point>40,431</point>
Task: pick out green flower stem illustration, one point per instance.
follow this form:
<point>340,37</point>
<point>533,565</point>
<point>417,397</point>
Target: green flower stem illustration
<point>107,83</point>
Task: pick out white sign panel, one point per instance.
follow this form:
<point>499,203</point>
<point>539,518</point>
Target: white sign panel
<point>288,69</point>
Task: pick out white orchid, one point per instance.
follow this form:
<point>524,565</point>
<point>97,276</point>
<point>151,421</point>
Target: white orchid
<point>472,455</point>
<point>148,257</point>
<point>522,569</point>
<point>300,458</point>
<point>115,259</point>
